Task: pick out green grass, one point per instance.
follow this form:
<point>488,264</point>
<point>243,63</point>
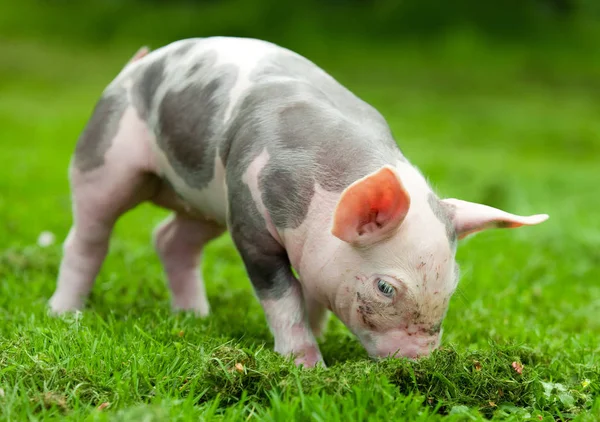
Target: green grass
<point>512,127</point>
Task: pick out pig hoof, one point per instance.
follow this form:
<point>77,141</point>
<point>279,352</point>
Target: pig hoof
<point>59,306</point>
<point>192,303</point>
<point>309,358</point>
<point>199,311</point>
<point>309,363</point>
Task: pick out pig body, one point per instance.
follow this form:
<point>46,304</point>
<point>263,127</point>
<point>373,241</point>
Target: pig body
<point>245,135</point>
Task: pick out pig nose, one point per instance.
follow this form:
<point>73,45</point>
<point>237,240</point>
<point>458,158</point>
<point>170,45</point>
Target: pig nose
<point>410,352</point>
<point>414,352</point>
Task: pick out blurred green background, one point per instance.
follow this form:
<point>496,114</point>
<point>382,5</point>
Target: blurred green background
<point>160,21</point>
<point>423,47</point>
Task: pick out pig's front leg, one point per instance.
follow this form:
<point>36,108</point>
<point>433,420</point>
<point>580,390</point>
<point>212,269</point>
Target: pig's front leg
<point>287,317</point>
<point>280,295</point>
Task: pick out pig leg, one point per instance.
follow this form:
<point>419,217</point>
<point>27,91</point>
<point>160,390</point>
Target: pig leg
<point>280,295</point>
<point>97,203</point>
<point>110,174</point>
<point>286,314</point>
<point>179,241</point>
<point>268,266</point>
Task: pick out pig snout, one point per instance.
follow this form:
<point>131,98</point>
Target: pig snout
<point>402,344</point>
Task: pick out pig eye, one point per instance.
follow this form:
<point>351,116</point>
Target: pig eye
<point>385,288</point>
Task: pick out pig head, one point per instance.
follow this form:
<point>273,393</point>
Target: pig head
<point>382,257</point>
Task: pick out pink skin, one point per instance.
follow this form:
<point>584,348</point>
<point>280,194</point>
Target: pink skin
<point>179,243</point>
<point>287,319</point>
<point>413,344</point>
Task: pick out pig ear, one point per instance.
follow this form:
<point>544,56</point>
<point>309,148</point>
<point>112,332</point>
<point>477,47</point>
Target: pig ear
<point>470,217</point>
<point>371,208</point>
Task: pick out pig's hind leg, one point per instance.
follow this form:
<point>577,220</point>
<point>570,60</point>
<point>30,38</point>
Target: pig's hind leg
<point>179,241</point>
<point>109,175</point>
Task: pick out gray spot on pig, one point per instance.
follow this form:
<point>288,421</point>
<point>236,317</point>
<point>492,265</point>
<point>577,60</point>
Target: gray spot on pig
<point>308,140</point>
<point>341,99</point>
<point>302,69</point>
<point>266,261</point>
<point>192,70</point>
<point>341,163</point>
<point>444,213</point>
<point>190,122</point>
<point>184,47</point>
<point>286,194</point>
<point>144,89</point>
<point>101,129</point>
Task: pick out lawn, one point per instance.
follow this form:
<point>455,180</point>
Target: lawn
<point>512,127</point>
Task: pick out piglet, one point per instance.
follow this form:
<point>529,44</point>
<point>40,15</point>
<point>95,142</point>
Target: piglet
<point>240,134</point>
